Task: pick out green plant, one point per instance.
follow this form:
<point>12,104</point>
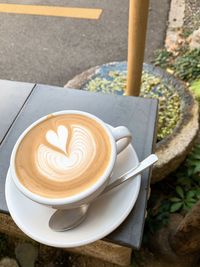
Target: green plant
<point>179,193</point>
<point>186,32</point>
<point>183,200</point>
<point>152,86</point>
<point>158,216</point>
<point>195,87</point>
<point>187,66</point>
<point>163,58</point>
<point>187,183</point>
<point>184,64</point>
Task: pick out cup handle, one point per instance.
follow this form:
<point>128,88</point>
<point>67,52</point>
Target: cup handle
<point>122,137</point>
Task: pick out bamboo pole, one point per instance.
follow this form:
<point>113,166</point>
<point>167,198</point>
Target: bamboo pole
<point>138,16</point>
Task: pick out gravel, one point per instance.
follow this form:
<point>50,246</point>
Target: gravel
<point>192,15</point>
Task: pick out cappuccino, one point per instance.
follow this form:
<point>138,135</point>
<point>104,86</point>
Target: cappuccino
<point>63,155</point>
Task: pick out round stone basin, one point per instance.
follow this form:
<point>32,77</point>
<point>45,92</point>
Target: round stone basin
<point>174,147</point>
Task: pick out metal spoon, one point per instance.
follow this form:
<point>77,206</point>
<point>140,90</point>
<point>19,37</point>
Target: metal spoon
<point>63,220</point>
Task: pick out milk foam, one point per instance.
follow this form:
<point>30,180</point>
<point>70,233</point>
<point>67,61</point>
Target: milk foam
<point>58,139</point>
<point>72,159</point>
<point>63,155</point>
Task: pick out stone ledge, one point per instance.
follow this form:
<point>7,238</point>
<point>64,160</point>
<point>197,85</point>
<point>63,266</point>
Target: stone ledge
<point>102,250</point>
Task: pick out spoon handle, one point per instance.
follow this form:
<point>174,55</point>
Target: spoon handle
<point>150,160</point>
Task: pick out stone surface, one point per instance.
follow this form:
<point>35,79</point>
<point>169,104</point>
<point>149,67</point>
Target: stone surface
<point>52,257</point>
<point>99,249</point>
<point>175,23</point>
<point>175,149</point>
<point>194,39</point>
<point>185,239</point>
<point>176,14</point>
<point>83,261</point>
<point>192,15</point>
<point>159,244</point>
<point>7,262</point>
<point>173,40</point>
<point>26,254</point>
<point>105,251</point>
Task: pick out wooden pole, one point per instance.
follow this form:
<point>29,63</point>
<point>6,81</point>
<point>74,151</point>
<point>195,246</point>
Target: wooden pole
<point>138,16</point>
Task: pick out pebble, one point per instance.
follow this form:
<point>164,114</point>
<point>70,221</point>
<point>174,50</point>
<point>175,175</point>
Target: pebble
<point>7,262</point>
<point>26,254</point>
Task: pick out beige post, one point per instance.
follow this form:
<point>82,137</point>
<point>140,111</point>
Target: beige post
<point>138,15</point>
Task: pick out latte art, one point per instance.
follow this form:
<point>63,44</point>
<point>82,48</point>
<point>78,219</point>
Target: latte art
<point>73,158</point>
<point>58,139</point>
<point>63,155</point>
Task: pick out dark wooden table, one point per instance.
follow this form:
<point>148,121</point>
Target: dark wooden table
<point>23,103</point>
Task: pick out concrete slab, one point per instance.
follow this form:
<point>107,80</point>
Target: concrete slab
<point>52,50</point>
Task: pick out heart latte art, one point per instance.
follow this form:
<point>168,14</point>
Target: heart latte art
<point>61,162</point>
<point>62,156</point>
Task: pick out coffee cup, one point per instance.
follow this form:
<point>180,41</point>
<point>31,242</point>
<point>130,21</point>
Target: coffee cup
<point>66,159</point>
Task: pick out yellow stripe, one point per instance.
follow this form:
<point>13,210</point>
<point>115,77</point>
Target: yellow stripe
<point>72,12</point>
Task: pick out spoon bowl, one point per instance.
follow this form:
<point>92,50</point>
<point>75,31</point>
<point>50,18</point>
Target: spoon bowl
<point>73,217</point>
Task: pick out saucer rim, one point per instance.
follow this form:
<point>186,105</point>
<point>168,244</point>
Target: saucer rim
<point>68,244</point>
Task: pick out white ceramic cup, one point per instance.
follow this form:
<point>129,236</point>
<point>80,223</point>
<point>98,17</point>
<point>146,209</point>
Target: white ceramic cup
<point>119,138</point>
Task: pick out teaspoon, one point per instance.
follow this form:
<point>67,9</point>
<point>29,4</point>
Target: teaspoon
<point>63,220</point>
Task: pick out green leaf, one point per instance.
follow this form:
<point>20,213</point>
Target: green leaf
<point>195,156</point>
<point>190,204</point>
<point>198,193</point>
<point>176,206</point>
<point>190,194</point>
<point>184,181</point>
<point>197,169</point>
<point>193,162</point>
<point>192,200</point>
<point>195,86</point>
<point>180,191</point>
<point>190,172</point>
<point>175,199</point>
<point>197,148</point>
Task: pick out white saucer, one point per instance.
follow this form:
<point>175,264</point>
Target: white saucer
<point>104,215</point>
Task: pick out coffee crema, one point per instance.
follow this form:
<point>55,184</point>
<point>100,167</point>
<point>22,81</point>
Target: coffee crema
<point>62,156</point>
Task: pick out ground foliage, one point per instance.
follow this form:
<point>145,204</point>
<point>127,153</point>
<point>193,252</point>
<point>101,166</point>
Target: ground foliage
<point>181,191</point>
<point>177,193</point>
<point>184,63</point>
